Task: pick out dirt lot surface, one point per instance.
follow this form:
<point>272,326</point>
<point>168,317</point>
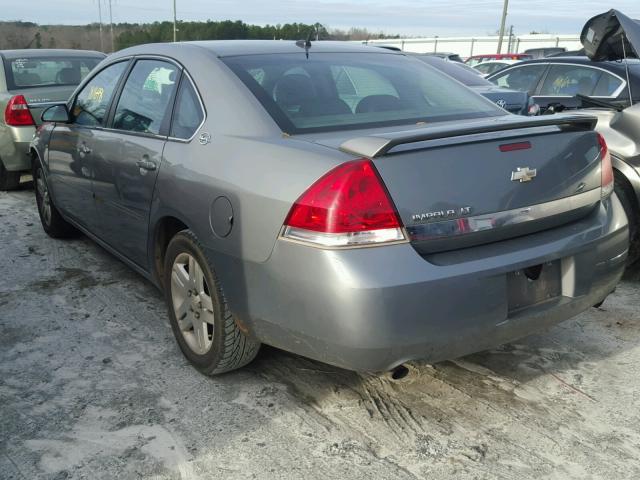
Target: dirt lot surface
<point>93,386</point>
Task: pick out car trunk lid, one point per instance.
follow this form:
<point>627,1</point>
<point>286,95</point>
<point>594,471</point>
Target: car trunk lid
<point>461,184</point>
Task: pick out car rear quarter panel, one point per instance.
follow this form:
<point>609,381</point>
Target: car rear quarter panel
<point>260,170</point>
<point>620,130</point>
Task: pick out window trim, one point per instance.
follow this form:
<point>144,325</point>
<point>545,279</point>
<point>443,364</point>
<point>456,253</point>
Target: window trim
<point>537,93</point>
<point>173,110</point>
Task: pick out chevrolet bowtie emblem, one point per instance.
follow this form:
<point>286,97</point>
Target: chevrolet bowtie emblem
<point>525,174</point>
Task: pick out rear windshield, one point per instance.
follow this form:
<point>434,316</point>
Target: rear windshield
<point>47,72</point>
<point>337,91</point>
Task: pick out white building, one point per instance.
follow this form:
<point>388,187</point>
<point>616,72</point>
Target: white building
<point>467,46</point>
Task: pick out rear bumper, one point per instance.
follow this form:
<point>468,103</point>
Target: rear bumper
<point>374,308</point>
<point>14,147</point>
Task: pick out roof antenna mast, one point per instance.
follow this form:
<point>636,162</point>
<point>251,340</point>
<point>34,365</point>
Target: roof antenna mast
<point>306,44</point>
<point>626,67</point>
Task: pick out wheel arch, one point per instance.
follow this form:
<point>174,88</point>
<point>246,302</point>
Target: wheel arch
<point>630,175</point>
<point>163,230</point>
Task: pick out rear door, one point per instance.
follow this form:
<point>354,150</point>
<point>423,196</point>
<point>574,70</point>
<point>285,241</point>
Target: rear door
<point>71,146</point>
<point>127,162</point>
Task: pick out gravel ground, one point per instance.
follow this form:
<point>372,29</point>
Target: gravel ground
<point>92,385</point>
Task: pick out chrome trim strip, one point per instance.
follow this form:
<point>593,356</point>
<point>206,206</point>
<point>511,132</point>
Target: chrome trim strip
<point>492,221</point>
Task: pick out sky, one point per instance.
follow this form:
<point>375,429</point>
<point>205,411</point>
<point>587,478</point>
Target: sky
<point>405,17</point>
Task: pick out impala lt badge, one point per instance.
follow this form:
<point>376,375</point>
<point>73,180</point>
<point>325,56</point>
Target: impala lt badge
<point>441,214</point>
<point>522,175</point>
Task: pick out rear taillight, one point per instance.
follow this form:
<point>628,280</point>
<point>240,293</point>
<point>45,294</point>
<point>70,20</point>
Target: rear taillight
<point>17,113</point>
<point>606,168</point>
<point>349,206</point>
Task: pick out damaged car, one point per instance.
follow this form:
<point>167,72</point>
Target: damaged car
<point>356,207</point>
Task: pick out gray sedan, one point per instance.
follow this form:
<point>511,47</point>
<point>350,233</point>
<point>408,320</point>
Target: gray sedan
<point>351,206</point>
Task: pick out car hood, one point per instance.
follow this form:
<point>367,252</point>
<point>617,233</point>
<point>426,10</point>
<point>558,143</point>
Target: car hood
<point>611,36</point>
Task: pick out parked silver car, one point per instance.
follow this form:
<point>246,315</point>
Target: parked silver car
<point>31,80</point>
<point>349,205</point>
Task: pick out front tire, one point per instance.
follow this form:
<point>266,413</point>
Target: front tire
<point>200,318</point>
<point>52,222</point>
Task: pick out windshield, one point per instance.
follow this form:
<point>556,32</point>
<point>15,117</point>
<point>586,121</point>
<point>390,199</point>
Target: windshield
<point>337,91</point>
<point>47,71</point>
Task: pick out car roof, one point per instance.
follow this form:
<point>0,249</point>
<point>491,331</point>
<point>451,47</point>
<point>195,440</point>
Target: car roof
<point>230,48</point>
<point>49,52</point>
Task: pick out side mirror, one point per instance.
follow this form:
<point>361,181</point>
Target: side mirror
<point>56,113</point>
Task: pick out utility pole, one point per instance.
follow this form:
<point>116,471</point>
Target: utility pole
<point>100,24</point>
<point>510,44</point>
<point>175,30</point>
<point>111,26</point>
<point>502,24</point>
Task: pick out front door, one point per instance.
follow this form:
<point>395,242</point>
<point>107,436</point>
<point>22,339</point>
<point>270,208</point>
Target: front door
<point>127,164</point>
<point>71,146</point>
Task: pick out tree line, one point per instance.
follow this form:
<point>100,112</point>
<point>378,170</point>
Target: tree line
<point>16,35</point>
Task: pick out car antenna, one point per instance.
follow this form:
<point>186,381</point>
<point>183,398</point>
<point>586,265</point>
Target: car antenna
<point>626,67</point>
<point>306,44</point>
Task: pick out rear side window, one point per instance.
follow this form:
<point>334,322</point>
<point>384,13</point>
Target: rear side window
<point>188,114</point>
<point>336,91</point>
<point>570,80</point>
<point>607,86</point>
<point>146,96</point>
<point>523,78</point>
<point>47,72</point>
<point>90,106</point>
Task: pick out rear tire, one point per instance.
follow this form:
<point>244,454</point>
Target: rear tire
<point>8,180</point>
<point>52,222</point>
<point>202,323</point>
<point>626,196</point>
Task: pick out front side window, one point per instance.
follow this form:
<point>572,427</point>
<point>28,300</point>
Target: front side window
<point>188,114</point>
<point>47,71</point>
<point>334,91</point>
<point>91,104</point>
<point>146,96</point>
<point>570,80</point>
<point>524,79</point>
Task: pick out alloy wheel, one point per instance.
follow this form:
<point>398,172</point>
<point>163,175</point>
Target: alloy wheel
<point>192,303</point>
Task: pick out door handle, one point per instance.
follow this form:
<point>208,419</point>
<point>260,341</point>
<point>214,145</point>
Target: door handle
<point>146,165</point>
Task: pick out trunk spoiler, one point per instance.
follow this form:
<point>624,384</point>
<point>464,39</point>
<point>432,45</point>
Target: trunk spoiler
<point>611,36</point>
<point>379,145</point>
